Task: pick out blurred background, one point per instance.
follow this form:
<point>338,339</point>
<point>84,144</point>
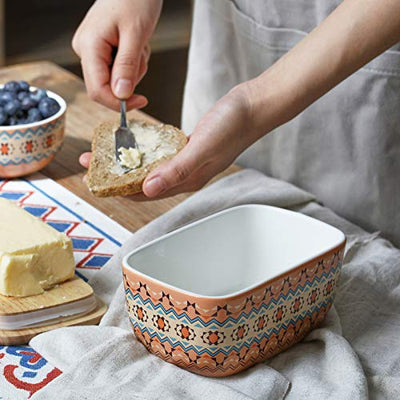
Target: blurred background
<point>43,29</point>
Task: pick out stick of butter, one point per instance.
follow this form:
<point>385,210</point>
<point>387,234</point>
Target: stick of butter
<point>33,255</point>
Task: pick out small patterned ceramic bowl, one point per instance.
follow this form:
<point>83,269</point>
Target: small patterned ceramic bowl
<point>30,147</point>
<point>233,289</point>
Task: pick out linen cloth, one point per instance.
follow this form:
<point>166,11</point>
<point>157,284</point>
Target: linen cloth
<point>354,355</point>
<point>344,148</point>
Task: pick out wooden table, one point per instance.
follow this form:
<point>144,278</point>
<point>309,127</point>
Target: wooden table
<point>82,116</point>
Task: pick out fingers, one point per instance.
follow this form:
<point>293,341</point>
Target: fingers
<point>196,181</point>
<point>95,67</point>
<point>127,26</point>
<point>216,141</point>
<point>96,60</point>
<point>135,102</point>
<point>143,65</point>
<point>84,159</point>
<point>147,52</point>
<point>125,70</point>
<point>96,72</point>
<point>175,171</point>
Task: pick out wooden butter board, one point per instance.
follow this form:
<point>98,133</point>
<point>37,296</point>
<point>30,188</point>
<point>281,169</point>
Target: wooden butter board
<point>73,290</point>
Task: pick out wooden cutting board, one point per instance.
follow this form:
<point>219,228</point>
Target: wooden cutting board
<point>73,290</point>
<point>83,115</point>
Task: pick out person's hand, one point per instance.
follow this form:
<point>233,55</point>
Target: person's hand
<point>125,25</point>
<point>219,137</point>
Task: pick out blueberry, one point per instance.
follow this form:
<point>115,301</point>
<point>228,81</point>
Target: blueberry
<point>3,117</point>
<point>22,95</point>
<point>23,86</point>
<point>12,107</point>
<point>12,121</point>
<point>28,103</point>
<point>48,107</point>
<point>38,95</point>
<point>21,121</point>
<point>34,115</point>
<point>11,86</point>
<point>6,97</point>
<point>34,111</point>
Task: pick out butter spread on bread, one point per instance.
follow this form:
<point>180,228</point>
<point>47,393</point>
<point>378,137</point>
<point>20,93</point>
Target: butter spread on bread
<point>33,255</point>
<point>156,144</point>
<point>152,145</point>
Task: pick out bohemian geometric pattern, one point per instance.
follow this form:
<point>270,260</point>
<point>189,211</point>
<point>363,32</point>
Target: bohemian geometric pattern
<point>25,145</point>
<point>224,336</point>
<point>23,371</point>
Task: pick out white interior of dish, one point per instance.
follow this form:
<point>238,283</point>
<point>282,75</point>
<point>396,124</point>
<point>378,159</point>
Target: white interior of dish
<point>234,250</point>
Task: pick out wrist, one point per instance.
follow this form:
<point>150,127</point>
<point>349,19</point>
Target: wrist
<point>272,101</point>
<point>139,16</point>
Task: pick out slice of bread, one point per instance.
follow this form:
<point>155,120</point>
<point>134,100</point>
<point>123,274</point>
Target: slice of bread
<point>157,143</point>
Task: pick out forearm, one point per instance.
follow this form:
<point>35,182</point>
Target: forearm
<point>355,33</point>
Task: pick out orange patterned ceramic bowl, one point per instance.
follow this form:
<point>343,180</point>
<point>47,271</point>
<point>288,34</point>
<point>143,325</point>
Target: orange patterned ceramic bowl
<point>28,148</point>
<point>233,289</point>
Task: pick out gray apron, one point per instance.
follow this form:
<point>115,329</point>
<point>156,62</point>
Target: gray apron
<point>345,148</point>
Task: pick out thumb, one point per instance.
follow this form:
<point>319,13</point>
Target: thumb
<point>126,65</point>
<point>173,172</point>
